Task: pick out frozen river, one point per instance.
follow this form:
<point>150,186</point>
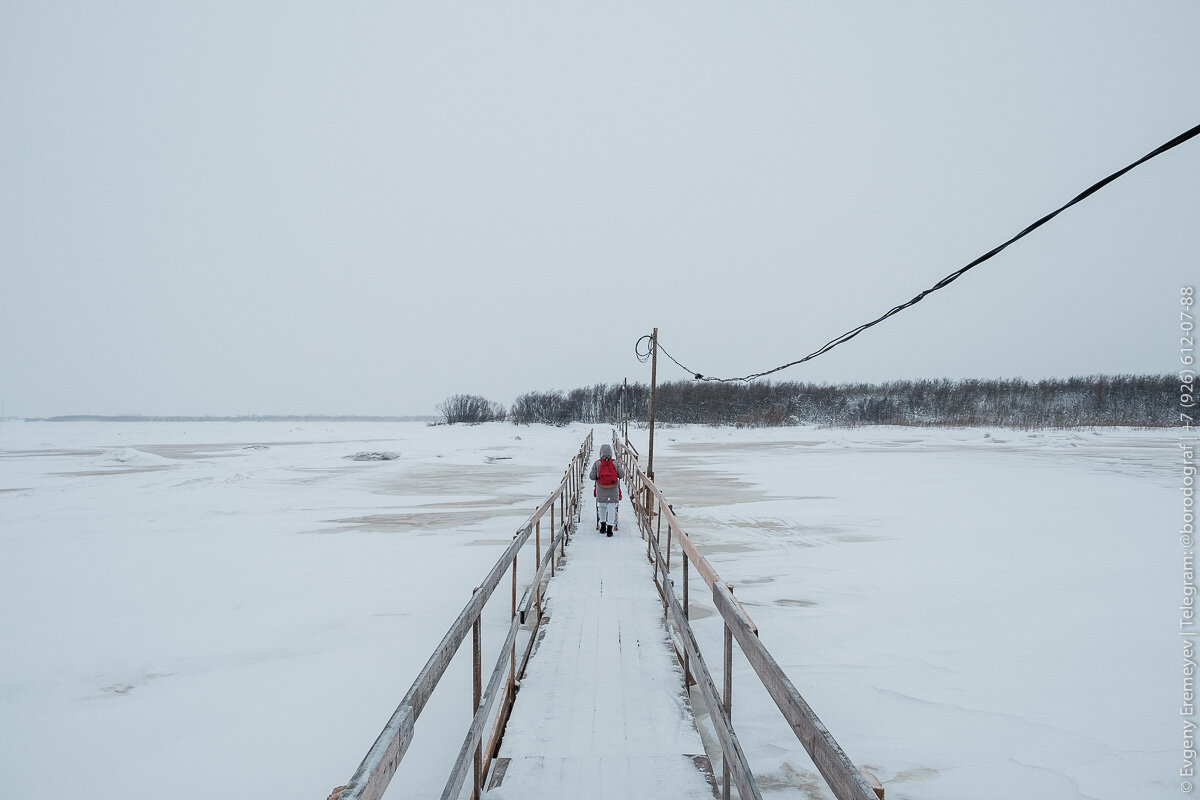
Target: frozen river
<point>194,608</point>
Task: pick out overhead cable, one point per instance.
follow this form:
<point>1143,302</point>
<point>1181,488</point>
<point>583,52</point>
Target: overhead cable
<point>943,283</point>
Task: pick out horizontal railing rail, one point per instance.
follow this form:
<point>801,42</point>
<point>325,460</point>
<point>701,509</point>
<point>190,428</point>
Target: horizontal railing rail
<point>845,779</point>
<point>494,703</point>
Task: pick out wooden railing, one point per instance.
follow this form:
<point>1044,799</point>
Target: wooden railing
<point>371,778</point>
<point>651,507</point>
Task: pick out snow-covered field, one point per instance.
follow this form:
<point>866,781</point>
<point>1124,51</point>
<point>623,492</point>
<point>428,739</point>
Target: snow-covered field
<point>972,613</point>
<point>200,609</point>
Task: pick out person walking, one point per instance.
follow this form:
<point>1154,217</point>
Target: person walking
<point>607,474</point>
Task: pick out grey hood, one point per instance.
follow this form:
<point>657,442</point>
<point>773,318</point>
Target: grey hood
<point>606,451</point>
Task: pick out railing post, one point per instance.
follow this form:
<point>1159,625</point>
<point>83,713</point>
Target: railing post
<point>537,564</point>
<point>647,516</point>
<point>652,554</point>
<point>647,502</point>
<point>728,708</point>
<point>512,661</point>
<point>647,519</point>
<point>687,661</point>
<point>477,696</point>
<point>658,533</point>
<point>672,508</point>
<point>553,534</point>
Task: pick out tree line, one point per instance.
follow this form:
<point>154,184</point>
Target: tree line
<point>1091,401</point>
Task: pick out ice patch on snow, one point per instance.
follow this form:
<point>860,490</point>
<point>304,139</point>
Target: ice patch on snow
<point>374,455</point>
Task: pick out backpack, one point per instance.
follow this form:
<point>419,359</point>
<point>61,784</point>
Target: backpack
<point>607,474</point>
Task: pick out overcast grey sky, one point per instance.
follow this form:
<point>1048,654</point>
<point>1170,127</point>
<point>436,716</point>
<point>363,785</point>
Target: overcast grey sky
<point>291,207</point>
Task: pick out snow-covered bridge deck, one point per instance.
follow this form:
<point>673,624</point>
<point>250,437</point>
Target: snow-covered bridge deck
<point>602,710</point>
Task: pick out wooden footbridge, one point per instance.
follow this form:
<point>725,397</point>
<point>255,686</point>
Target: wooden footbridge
<point>602,708</point>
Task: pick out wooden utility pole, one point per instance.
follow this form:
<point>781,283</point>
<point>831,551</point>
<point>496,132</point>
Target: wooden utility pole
<point>653,397</point>
<point>624,413</point>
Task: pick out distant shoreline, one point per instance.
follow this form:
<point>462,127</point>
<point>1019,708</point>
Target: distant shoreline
<point>248,418</point>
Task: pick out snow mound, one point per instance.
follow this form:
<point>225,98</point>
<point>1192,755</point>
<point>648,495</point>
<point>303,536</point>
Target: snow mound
<point>132,457</point>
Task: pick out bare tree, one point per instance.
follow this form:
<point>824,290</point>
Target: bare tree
<point>471,409</point>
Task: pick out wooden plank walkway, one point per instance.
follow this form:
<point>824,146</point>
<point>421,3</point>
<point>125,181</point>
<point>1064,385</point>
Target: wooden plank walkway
<point>602,712</point>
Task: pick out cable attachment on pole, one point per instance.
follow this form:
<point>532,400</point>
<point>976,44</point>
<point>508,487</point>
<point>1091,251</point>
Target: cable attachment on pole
<point>644,355</point>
